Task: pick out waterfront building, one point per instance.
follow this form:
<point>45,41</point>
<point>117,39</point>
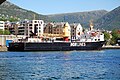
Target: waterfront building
<point>54,29</point>
<point>12,27</point>
<point>49,28</point>
<point>58,28</point>
<point>2,25</point>
<point>31,27</point>
<point>76,30</point>
<point>67,31</point>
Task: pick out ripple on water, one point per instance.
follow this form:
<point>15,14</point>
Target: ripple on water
<point>73,65</point>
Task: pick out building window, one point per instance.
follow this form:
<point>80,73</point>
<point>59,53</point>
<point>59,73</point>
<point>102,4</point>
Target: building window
<point>23,24</point>
<point>30,27</point>
<point>57,29</point>
<point>35,21</point>
<point>36,25</point>
<point>30,24</point>
<point>1,23</point>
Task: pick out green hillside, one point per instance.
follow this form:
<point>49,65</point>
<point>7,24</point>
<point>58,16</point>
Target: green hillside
<point>110,21</point>
<point>8,10</point>
<point>78,17</point>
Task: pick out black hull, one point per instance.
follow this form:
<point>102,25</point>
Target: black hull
<point>55,46</point>
<point>119,43</point>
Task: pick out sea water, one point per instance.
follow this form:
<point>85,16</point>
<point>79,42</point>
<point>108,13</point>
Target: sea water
<point>60,65</point>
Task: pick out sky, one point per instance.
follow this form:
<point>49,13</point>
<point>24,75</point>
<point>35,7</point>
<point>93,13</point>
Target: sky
<point>47,7</point>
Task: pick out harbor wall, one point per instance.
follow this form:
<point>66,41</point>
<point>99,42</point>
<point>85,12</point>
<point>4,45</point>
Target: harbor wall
<point>3,48</point>
<point>111,47</point>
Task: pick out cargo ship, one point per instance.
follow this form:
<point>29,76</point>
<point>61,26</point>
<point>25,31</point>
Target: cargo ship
<point>55,46</point>
<point>81,40</point>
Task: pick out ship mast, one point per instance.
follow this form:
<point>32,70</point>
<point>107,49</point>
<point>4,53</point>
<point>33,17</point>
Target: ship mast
<point>34,16</point>
<point>91,24</point>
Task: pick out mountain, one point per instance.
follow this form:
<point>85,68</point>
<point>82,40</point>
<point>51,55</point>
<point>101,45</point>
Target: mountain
<point>110,21</point>
<point>78,17</point>
<point>8,9</point>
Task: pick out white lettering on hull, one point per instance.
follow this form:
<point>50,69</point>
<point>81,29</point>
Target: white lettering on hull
<point>78,44</point>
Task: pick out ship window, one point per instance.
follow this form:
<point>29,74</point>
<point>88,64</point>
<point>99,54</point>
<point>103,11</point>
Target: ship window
<point>98,39</point>
<point>95,39</point>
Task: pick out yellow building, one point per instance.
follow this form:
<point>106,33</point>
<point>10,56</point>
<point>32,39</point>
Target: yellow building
<point>67,30</point>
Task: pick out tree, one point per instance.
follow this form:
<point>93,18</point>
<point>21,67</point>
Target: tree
<point>115,35</point>
<point>5,32</point>
<point>12,19</point>
<point>107,37</point>
<point>1,32</point>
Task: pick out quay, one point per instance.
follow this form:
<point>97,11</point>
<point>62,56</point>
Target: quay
<point>3,48</point>
<point>111,47</point>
